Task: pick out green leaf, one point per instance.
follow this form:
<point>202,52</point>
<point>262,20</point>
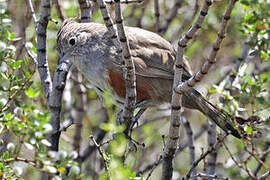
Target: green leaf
<point>248,129</point>
<point>212,91</point>
<point>12,36</point>
<point>254,53</point>
<point>9,116</point>
<point>5,155</point>
<point>30,92</point>
<point>16,64</point>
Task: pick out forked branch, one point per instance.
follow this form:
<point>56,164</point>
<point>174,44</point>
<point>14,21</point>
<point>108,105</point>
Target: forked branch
<point>183,87</point>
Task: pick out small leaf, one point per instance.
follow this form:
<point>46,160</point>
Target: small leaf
<point>16,64</point>
<point>12,36</point>
<point>248,129</point>
<point>254,53</point>
<point>30,92</point>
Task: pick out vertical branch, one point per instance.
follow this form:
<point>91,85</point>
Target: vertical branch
<point>157,14</point>
<point>60,11</point>
<point>171,16</point>
<point>173,136</point>
<point>190,142</point>
<point>263,158</point>
<point>86,14</point>
<point>212,56</point>
<point>43,68</point>
<point>109,24</point>
<point>52,89</point>
<point>211,161</point>
<point>129,69</point>
<point>186,22</point>
<point>55,101</point>
<point>203,156</point>
<point>143,8</point>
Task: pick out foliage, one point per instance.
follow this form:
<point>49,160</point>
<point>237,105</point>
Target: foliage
<point>25,120</point>
<point>256,24</point>
<point>21,117</point>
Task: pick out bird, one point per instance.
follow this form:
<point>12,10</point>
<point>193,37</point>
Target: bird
<point>91,49</point>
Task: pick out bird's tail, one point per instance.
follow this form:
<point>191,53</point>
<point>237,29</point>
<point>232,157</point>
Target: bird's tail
<point>195,99</point>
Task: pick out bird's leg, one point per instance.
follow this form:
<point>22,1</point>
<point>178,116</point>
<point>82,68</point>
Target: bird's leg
<point>141,105</point>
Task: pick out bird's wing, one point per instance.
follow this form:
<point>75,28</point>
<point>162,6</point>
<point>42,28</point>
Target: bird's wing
<point>153,56</point>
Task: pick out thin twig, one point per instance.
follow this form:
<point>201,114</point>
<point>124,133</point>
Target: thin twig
<point>180,149</point>
<point>211,161</point>
<point>123,1</point>
<point>171,16</point>
<point>60,11</point>
<point>263,158</point>
<point>30,5</point>
<point>210,150</point>
<point>154,167</point>
<point>191,146</point>
<point>157,15</point>
<point>27,161</point>
<point>143,8</point>
<point>183,87</point>
<point>109,24</point>
<point>209,176</point>
<point>100,153</point>
<point>265,176</point>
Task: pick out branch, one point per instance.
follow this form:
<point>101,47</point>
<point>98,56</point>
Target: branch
<point>211,161</point>
<point>190,141</point>
<point>209,176</point>
<point>55,101</point>
<point>101,153</point>
<point>30,6</point>
<point>171,16</point>
<point>52,90</point>
<point>143,8</point>
<point>263,158</point>
<point>183,87</point>
<point>157,15</point>
<point>109,24</point>
<point>176,103</point>
<point>264,70</point>
<point>85,7</point>
<point>60,11</point>
<point>129,70</point>
<point>210,150</point>
<point>43,68</point>
<point>180,149</point>
<point>123,1</point>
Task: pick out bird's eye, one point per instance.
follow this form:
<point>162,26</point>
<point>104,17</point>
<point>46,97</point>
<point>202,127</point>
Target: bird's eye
<point>72,41</point>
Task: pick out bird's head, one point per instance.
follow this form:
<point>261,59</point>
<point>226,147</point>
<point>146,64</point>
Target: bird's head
<point>72,38</point>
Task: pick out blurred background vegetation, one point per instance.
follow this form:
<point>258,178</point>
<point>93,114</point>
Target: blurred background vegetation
<point>24,118</point>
